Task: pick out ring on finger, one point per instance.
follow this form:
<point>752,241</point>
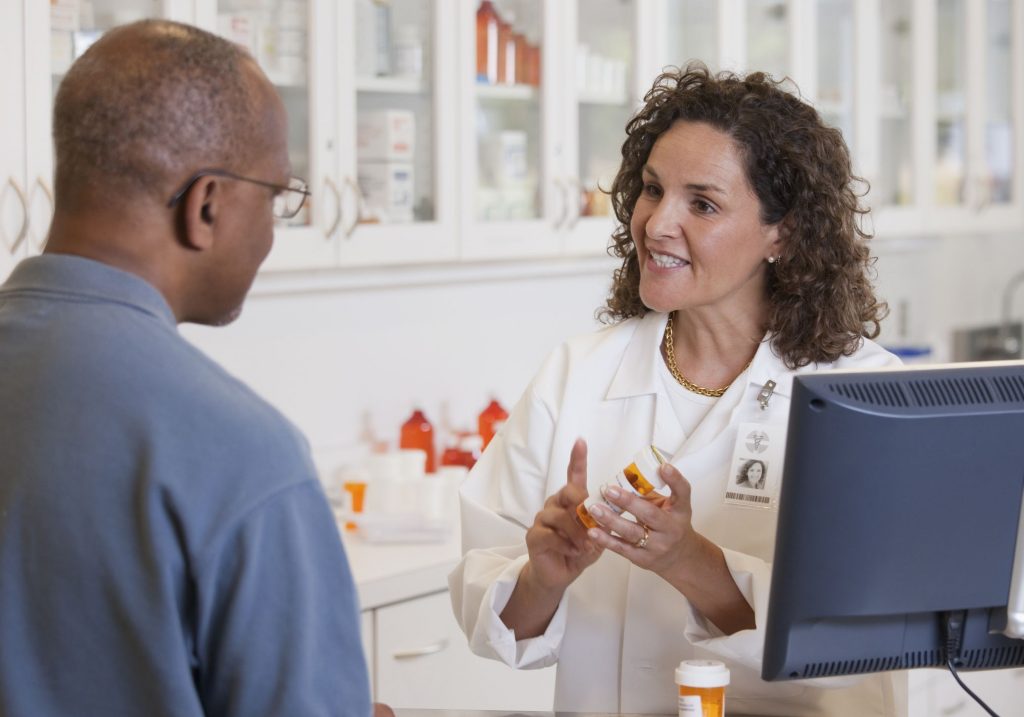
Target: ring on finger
<point>642,543</point>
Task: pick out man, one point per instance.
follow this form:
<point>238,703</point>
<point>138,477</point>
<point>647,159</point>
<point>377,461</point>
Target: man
<point>165,546</point>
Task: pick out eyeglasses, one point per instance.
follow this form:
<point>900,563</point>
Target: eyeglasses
<point>287,202</point>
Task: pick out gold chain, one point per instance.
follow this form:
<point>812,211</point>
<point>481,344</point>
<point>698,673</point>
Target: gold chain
<point>670,361</point>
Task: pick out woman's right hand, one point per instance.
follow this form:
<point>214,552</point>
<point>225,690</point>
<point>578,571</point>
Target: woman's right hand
<point>559,551</point>
<point>558,544</point>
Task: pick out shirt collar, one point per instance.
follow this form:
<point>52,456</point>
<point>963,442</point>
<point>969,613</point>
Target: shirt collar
<point>637,374</point>
<point>75,276</point>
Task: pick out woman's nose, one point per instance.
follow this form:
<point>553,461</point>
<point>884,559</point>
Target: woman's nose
<point>666,221</point>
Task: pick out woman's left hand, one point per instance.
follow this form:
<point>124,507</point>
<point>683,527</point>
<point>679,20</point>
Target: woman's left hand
<point>662,540</point>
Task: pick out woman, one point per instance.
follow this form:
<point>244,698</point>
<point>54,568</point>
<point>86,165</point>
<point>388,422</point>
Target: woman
<point>751,475</point>
<point>742,263</point>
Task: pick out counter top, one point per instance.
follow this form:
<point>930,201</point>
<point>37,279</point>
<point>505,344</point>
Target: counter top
<point>502,713</point>
<point>387,573</point>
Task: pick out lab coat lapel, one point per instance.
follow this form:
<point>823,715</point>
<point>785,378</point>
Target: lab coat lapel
<point>637,375</point>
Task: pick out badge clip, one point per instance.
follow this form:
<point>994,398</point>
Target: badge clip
<point>766,393</point>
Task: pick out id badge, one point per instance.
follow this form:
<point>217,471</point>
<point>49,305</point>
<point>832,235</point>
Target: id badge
<point>755,472</point>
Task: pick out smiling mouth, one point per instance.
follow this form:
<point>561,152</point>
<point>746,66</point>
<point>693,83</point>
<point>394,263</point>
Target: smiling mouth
<point>666,261</point>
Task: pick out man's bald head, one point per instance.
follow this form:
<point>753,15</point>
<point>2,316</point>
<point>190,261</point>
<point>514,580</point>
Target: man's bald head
<point>150,103</point>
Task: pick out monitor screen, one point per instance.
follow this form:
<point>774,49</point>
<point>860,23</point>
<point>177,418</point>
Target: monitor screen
<point>901,502</point>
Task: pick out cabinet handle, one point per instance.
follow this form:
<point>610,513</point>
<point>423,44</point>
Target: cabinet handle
<point>23,232</point>
<point>329,183</point>
<point>564,213</point>
<point>358,193</point>
<point>415,652</point>
<point>49,197</point>
<point>575,190</point>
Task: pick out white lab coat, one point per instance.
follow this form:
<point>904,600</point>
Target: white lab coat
<point>620,631</point>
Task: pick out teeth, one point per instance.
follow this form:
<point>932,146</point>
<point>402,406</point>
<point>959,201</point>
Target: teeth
<point>666,261</point>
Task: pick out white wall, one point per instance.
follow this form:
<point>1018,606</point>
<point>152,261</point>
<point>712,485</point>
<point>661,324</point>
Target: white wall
<point>347,364</point>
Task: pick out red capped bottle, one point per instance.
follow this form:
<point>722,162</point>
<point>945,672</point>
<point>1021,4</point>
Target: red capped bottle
<point>417,432</point>
<point>490,420</point>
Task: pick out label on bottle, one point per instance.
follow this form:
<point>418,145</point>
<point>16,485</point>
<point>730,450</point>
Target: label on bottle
<point>689,706</point>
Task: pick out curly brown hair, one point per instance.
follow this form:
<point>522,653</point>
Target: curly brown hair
<point>820,298</point>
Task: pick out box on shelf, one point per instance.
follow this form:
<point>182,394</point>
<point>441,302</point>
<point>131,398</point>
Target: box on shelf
<point>386,136</point>
<point>387,189</point>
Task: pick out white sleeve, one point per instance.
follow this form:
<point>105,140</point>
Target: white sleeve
<point>498,501</point>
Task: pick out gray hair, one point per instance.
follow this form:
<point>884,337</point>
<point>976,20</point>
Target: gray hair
<point>148,104</point>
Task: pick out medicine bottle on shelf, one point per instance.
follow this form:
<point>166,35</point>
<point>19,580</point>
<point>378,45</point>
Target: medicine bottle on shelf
<point>487,20</point>
<point>417,432</point>
<point>640,478</point>
<point>490,420</point>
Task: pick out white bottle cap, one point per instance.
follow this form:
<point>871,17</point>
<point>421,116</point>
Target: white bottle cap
<point>592,500</point>
<point>702,673</point>
<point>647,461</point>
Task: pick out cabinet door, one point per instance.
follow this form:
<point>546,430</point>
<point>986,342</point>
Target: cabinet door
<point>515,202</point>
<point>14,213</point>
<point>422,661</point>
<point>605,89</point>
<point>398,127</point>
<point>292,42</point>
<point>59,32</point>
<point>835,64</point>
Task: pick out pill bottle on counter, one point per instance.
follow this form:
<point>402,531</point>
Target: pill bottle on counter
<point>639,477</point>
<point>702,686</point>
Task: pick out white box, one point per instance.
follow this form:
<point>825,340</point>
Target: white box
<point>386,136</point>
<point>387,189</point>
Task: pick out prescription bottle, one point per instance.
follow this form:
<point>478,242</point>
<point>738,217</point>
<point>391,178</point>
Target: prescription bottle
<point>639,477</point>
<point>702,686</point>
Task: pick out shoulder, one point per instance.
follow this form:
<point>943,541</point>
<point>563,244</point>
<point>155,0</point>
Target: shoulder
<point>868,355</point>
<point>590,356</point>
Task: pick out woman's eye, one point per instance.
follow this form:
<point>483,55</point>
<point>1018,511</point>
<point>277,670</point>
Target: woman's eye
<point>652,190</point>
<point>703,207</point>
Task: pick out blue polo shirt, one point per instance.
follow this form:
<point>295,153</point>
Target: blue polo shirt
<point>165,545</point>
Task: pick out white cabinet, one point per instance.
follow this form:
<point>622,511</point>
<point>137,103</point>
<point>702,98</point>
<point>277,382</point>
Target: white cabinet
<point>420,660</point>
<point>539,147</point>
<point>514,113</point>
<point>929,94</point>
<point>14,213</point>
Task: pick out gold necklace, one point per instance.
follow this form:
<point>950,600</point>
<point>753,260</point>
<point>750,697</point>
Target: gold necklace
<point>670,361</point>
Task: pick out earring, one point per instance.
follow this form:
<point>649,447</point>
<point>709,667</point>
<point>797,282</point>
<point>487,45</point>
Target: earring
<point>772,259</point>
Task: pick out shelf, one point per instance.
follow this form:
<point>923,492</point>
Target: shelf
<point>514,93</point>
<point>607,99</point>
<point>393,85</point>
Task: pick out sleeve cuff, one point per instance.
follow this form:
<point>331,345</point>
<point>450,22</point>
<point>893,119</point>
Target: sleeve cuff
<point>534,652</point>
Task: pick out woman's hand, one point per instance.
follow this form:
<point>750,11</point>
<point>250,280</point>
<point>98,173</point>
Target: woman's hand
<point>559,551</point>
<point>663,541</point>
<point>558,544</point>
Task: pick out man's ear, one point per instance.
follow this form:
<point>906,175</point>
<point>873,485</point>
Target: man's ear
<point>201,207</point>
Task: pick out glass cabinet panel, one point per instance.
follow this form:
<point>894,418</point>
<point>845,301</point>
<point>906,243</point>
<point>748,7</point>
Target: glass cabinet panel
<point>76,24</point>
<point>768,37</point>
<point>835,66</point>
<point>276,32</point>
<point>692,32</point>
<point>999,124</point>
<point>508,110</point>
<point>395,111</point>
<point>604,64</point>
<point>950,102</point>
<point>894,185</point>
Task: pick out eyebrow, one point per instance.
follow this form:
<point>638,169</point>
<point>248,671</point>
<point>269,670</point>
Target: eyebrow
<point>707,188</point>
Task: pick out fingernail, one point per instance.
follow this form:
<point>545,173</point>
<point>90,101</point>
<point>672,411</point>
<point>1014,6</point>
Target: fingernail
<point>597,511</point>
<point>593,533</point>
<point>613,492</point>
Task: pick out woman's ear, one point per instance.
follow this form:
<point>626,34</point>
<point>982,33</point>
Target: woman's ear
<point>200,208</point>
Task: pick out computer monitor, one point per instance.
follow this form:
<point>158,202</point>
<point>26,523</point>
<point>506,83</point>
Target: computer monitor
<point>901,503</point>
